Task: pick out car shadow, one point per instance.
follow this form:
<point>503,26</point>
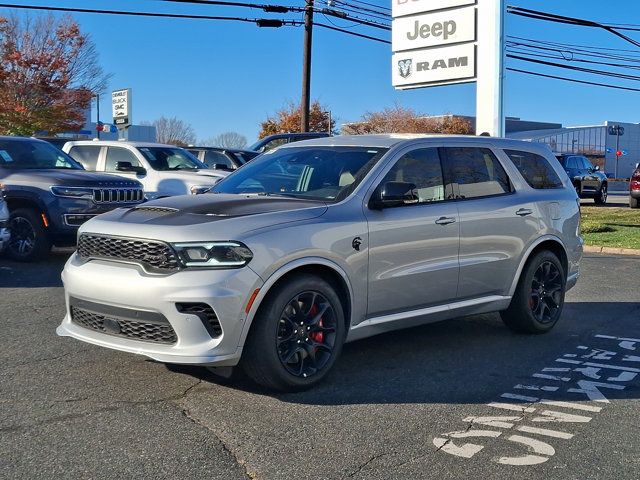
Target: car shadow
<point>43,273</point>
<point>465,360</point>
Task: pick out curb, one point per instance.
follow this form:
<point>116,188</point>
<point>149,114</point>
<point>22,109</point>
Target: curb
<point>611,250</point>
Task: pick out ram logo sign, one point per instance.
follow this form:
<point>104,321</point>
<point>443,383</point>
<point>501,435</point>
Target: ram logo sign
<point>452,64</point>
<point>404,67</point>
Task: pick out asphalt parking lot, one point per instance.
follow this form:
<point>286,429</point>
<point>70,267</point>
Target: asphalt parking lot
<point>461,399</point>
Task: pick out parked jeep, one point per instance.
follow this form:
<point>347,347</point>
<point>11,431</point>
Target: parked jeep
<point>634,188</point>
<point>587,179</point>
<point>50,195</point>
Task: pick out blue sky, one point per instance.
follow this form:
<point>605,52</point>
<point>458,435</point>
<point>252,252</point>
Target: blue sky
<point>223,76</point>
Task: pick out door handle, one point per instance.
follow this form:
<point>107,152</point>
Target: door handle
<point>445,220</point>
<point>523,212</point>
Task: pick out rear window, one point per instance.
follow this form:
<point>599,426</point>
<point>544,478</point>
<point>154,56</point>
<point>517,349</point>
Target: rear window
<point>535,169</point>
<point>476,172</point>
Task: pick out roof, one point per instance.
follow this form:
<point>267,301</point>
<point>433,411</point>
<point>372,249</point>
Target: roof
<point>116,143</point>
<point>393,139</point>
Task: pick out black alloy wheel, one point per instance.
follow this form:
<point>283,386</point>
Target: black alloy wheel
<point>28,240</point>
<point>306,334</point>
<point>538,300</point>
<point>546,292</point>
<point>297,334</point>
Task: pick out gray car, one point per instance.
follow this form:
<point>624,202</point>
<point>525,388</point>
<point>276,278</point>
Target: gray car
<point>4,222</point>
<point>326,241</point>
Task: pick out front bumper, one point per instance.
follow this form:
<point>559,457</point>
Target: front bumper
<point>128,287</point>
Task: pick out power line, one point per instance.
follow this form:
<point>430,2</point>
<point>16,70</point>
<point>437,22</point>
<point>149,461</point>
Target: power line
<point>381,7</point>
<point>606,85</point>
<point>574,68</point>
<point>366,11</point>
<point>261,22</point>
<point>349,32</point>
<point>550,17</point>
<point>579,52</point>
<point>521,51</point>
<point>570,45</point>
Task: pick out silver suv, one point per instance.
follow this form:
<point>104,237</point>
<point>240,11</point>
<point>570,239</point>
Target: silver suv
<point>326,241</point>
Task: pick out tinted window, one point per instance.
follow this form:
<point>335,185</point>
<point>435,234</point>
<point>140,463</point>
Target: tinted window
<point>117,154</point>
<point>170,158</point>
<point>572,162</point>
<point>276,142</point>
<point>322,173</point>
<point>86,155</point>
<point>25,154</point>
<point>422,168</point>
<point>475,172</point>
<point>535,169</point>
<point>211,158</point>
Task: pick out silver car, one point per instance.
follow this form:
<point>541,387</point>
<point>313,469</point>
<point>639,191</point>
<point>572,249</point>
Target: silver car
<point>326,241</point>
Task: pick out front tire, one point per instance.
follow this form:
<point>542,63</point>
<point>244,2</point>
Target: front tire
<point>539,297</point>
<point>601,197</point>
<point>297,335</point>
<point>29,240</point>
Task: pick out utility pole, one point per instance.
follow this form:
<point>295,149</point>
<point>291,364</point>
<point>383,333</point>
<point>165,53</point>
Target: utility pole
<point>306,66</point>
<point>98,113</point>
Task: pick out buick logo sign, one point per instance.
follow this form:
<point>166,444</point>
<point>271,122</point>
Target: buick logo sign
<point>404,67</point>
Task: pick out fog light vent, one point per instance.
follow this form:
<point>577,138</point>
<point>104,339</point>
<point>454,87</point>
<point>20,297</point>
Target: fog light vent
<point>205,313</point>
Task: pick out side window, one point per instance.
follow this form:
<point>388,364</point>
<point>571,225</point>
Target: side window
<point>212,157</point>
<point>118,154</point>
<point>422,168</point>
<point>476,172</point>
<point>86,155</point>
<point>535,169</point>
<point>276,142</point>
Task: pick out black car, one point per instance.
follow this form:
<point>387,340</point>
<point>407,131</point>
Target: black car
<point>588,180</point>
<point>50,195</point>
<point>272,141</point>
<point>218,158</point>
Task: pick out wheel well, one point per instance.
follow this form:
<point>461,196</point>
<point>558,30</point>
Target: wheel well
<point>15,203</point>
<point>554,247</point>
<point>330,276</point>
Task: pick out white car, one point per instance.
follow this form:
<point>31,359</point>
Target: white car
<point>4,223</point>
<point>163,170</point>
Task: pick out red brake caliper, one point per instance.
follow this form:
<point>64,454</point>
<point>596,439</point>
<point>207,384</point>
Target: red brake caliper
<point>316,336</point>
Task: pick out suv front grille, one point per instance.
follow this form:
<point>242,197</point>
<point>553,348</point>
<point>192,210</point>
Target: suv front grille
<point>121,327</point>
<point>205,313</point>
<point>153,255</point>
<point>118,195</point>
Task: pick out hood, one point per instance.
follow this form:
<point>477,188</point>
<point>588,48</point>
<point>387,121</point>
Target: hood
<point>187,218</point>
<point>67,178</point>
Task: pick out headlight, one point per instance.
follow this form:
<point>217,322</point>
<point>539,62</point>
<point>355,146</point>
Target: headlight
<point>213,254</point>
<point>72,192</point>
<point>198,189</point>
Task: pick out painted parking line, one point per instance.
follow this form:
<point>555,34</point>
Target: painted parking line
<point>586,375</point>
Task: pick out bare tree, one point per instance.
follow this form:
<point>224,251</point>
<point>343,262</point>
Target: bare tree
<point>228,140</point>
<point>49,72</point>
<point>173,131</point>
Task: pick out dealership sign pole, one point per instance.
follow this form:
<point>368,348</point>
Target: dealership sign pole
<point>444,42</point>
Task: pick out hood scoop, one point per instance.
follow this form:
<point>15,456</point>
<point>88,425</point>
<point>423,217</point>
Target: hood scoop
<point>165,210</point>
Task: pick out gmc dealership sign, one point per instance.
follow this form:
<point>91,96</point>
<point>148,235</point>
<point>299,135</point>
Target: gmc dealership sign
<point>433,42</point>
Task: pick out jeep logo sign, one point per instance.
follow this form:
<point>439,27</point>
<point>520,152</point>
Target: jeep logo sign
<point>400,8</point>
<point>433,42</point>
<point>452,64</point>
<point>434,29</point>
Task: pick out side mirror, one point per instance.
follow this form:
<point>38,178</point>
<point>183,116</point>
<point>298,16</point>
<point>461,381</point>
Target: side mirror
<point>128,167</point>
<point>394,194</point>
<point>220,166</point>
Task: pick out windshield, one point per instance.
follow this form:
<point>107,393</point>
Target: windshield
<point>170,158</point>
<point>320,173</point>
<point>27,154</point>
